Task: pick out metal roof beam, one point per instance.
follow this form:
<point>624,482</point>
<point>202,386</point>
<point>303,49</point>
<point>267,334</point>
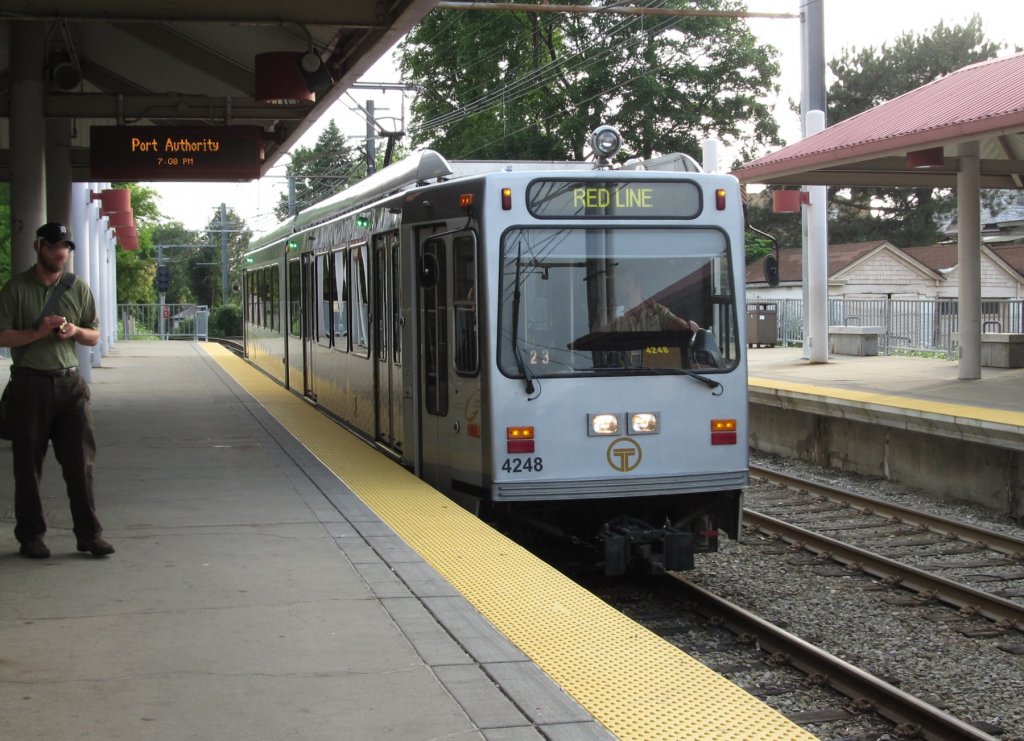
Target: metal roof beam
<point>168,108</point>
<point>187,52</point>
<point>262,12</point>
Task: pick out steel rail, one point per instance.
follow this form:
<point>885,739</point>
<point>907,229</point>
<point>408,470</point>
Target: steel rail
<point>860,686</point>
<point>960,596</point>
<point>1006,544</point>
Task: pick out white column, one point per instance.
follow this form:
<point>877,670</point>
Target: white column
<point>817,260</point>
<point>709,155</point>
<point>97,225</point>
<point>968,252</point>
<point>80,231</point>
<point>27,48</point>
<point>102,292</point>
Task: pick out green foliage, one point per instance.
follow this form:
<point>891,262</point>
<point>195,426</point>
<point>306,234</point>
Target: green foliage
<point>863,79</point>
<point>136,269</point>
<point>757,247</point>
<point>321,171</point>
<point>226,321</point>
<point>173,236</point>
<point>533,85</point>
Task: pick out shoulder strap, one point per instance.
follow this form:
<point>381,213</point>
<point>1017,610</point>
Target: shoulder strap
<point>66,281</point>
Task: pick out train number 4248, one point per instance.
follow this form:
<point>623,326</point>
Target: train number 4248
<point>521,465</point>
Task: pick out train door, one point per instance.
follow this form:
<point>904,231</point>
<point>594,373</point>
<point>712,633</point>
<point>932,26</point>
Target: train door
<point>387,339</point>
<point>309,323</point>
<point>433,302</point>
<point>449,378</point>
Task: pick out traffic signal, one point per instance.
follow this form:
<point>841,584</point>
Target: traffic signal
<point>163,278</point>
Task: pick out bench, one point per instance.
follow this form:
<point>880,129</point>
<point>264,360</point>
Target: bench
<point>854,340</point>
<point>1000,349</point>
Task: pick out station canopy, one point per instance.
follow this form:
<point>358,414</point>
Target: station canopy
<point>199,63</point>
<point>914,140</point>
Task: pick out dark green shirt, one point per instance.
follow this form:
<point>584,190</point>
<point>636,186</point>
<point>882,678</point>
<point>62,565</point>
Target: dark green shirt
<point>23,298</point>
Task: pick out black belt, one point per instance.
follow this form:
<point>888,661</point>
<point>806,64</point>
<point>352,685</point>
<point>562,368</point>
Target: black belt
<point>47,373</point>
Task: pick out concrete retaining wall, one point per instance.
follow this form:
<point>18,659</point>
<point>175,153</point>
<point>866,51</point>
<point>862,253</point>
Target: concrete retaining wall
<point>949,457</point>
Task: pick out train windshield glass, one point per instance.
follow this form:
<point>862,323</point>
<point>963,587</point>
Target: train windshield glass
<point>617,301</point>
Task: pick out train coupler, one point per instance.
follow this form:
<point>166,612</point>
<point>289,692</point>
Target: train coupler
<point>655,550</point>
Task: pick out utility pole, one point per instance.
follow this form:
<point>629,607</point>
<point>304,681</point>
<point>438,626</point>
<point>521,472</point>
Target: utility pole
<point>223,253</point>
<point>812,98</point>
<point>371,126</point>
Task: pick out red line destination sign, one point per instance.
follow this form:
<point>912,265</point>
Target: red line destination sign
<point>149,153</point>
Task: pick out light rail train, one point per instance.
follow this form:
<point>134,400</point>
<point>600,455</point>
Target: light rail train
<point>558,342</point>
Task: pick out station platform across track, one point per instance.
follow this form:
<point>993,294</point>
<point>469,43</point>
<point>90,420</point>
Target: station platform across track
<point>927,386</point>
<point>276,578</point>
<point>926,393</point>
<point>910,420</point>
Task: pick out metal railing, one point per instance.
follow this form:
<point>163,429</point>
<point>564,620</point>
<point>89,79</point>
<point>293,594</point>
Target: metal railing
<point>908,325</point>
<point>163,322</point>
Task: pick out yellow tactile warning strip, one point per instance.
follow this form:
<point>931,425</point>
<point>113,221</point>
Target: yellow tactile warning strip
<point>946,409</point>
<point>633,682</point>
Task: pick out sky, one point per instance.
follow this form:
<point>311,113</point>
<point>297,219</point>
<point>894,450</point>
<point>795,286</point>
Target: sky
<point>848,24</point>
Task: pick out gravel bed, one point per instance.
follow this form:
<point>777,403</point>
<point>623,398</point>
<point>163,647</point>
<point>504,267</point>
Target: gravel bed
<point>971,678</point>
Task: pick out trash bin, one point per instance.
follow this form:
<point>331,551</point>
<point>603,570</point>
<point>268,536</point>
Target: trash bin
<point>762,324</point>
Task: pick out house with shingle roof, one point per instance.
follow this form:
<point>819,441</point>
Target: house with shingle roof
<point>872,270</point>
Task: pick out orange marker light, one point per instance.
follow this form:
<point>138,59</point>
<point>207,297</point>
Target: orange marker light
<point>506,199</point>
<point>519,439</point>
<point>466,200</point>
<point>723,432</point>
<point>720,199</point>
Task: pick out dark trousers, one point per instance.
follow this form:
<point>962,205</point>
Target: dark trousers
<point>44,409</point>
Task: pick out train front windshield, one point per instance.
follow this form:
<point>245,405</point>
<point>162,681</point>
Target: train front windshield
<point>616,301</point>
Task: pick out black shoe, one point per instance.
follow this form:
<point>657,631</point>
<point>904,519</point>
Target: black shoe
<point>35,549</point>
<point>96,546</point>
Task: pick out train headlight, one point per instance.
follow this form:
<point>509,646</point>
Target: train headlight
<point>603,424</point>
<point>643,423</point>
<point>605,142</point>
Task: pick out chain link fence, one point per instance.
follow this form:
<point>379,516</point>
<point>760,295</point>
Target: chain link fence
<point>908,326</point>
<point>163,322</point>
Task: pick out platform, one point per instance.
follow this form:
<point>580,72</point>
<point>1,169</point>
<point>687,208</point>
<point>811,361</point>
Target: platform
<point>253,595</point>
<point>908,419</point>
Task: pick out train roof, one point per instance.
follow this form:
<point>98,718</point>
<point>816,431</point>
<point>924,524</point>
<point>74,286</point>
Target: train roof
<point>420,167</point>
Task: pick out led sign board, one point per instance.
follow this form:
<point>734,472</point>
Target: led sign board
<point>150,153</point>
<point>623,199</point>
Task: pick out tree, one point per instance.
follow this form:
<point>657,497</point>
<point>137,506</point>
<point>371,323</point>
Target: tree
<point>522,85</point>
<point>321,171</point>
<point>204,263</point>
<point>136,269</point>
<point>904,216</point>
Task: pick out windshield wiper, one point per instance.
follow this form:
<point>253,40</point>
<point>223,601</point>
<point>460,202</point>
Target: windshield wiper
<point>709,382</point>
<point>516,300</point>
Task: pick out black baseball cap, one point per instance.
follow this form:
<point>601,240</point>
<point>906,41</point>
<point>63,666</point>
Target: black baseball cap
<point>54,232</point>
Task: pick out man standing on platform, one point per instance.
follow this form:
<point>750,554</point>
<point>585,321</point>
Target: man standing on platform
<point>43,313</point>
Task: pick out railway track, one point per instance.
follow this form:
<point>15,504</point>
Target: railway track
<point>884,527</point>
<point>835,699</point>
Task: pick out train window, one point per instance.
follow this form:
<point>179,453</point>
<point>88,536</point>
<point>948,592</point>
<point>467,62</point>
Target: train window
<point>275,298</point>
<point>380,298</point>
<point>464,301</point>
<point>324,300</point>
<point>396,298</point>
<point>340,299</point>
<point>616,300</point>
<point>435,331</point>
<point>360,302</point>
<point>294,299</point>
<point>261,303</point>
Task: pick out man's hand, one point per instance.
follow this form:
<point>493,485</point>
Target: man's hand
<point>51,323</point>
<point>67,330</point>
